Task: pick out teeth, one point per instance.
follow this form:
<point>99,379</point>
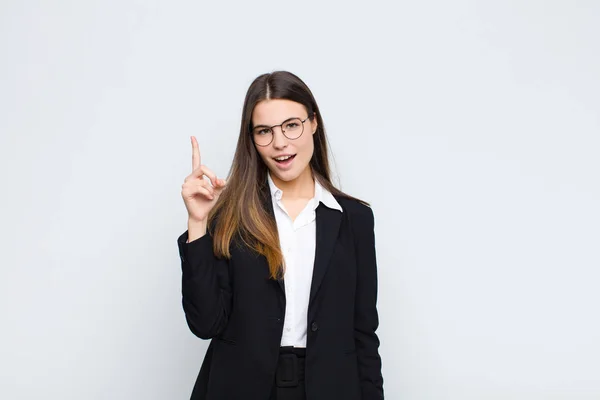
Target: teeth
<point>282,158</point>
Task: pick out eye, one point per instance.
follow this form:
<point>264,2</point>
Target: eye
<point>263,131</point>
<point>291,125</point>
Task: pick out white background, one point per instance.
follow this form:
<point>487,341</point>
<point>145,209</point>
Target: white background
<point>473,128</point>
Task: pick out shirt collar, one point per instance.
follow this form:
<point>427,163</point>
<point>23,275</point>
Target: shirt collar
<point>321,195</point>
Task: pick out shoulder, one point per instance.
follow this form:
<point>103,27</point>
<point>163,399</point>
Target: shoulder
<point>357,211</point>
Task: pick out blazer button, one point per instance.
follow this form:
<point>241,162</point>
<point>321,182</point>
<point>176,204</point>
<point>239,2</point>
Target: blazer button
<point>314,327</point>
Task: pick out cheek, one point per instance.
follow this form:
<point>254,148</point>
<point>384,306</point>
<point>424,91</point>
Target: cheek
<point>261,152</point>
<point>309,147</point>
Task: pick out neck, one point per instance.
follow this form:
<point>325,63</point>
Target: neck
<point>301,187</point>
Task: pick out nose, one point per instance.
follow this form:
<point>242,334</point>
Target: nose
<point>279,139</point>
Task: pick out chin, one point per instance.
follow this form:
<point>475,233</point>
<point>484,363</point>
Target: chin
<point>285,176</point>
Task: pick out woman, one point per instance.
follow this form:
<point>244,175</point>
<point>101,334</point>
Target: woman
<point>278,265</point>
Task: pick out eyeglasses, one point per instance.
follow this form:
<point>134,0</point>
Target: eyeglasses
<point>291,128</point>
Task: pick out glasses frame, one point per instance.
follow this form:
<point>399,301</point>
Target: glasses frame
<point>282,130</point>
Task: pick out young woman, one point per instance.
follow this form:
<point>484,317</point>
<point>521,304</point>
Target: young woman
<point>278,265</point>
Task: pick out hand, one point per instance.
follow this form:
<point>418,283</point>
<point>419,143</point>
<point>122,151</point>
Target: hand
<point>200,195</point>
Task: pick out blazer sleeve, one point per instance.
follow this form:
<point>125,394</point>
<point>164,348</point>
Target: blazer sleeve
<point>366,318</point>
<point>205,286</point>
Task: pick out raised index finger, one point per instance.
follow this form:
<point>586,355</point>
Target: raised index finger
<point>195,154</point>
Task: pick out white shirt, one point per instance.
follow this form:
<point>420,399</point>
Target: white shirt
<point>297,240</point>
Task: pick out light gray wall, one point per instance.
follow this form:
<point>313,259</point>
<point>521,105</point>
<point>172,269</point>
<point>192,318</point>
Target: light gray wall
<point>471,127</point>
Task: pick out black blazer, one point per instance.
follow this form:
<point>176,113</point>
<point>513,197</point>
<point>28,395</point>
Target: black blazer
<point>235,303</point>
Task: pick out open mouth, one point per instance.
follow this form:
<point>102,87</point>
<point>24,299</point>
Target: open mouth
<point>284,160</point>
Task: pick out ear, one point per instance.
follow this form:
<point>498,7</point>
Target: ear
<point>314,123</point>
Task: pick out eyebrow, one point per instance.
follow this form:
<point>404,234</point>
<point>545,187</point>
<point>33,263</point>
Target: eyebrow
<point>269,126</point>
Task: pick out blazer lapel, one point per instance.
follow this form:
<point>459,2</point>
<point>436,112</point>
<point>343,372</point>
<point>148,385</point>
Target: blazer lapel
<point>328,223</point>
<point>328,226</point>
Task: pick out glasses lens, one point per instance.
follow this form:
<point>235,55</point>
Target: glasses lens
<point>262,136</point>
<point>293,128</point>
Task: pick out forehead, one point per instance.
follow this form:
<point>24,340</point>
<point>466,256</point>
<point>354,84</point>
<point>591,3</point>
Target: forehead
<point>275,111</point>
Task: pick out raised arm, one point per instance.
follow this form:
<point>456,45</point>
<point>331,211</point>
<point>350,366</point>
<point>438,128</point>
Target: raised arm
<point>205,286</point>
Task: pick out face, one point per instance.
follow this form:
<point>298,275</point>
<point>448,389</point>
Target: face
<point>274,112</point>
